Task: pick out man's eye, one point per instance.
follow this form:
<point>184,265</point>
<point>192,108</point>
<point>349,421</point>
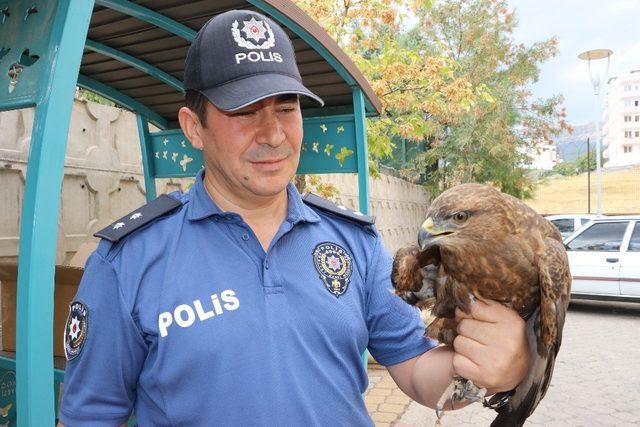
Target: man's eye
<point>243,114</point>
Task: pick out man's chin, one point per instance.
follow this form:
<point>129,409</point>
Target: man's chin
<point>268,186</point>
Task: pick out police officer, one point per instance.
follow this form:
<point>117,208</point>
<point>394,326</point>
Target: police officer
<point>240,302</point>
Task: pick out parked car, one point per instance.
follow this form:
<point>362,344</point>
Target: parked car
<point>604,257</point>
<point>569,223</point>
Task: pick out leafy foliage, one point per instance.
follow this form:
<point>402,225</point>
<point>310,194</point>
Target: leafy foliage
<point>88,95</point>
<point>455,82</point>
<point>489,143</point>
<point>580,165</point>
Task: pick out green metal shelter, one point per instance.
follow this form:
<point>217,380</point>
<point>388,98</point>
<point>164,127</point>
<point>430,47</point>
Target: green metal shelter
<point>133,52</point>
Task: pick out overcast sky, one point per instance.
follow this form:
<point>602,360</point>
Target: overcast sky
<point>579,26</point>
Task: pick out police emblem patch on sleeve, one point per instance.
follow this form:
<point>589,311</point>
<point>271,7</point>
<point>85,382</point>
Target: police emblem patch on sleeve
<point>75,332</point>
<point>334,264</point>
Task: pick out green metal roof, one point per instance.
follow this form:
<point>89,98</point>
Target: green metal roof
<point>135,54</point>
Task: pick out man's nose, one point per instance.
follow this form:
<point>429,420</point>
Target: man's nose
<point>270,129</point>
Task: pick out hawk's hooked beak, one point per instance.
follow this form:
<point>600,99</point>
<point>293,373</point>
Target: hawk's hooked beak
<point>428,234</point>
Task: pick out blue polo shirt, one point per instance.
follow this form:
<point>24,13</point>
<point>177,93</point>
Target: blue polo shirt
<point>189,322</point>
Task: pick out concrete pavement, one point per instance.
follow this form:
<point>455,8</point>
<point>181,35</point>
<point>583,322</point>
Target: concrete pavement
<point>596,380</point>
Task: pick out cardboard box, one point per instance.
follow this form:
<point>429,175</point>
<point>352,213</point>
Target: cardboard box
<point>67,280</point>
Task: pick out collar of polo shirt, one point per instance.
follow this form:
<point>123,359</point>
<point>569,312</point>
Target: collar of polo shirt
<point>201,205</point>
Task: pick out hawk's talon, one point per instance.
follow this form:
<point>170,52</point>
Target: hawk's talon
<point>459,390</point>
<point>446,395</point>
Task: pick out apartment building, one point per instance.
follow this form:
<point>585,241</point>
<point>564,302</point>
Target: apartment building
<point>621,130</point>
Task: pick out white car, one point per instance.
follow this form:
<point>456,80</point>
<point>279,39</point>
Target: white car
<point>569,223</point>
<point>604,257</point>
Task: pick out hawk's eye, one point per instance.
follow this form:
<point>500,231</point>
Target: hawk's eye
<point>460,216</point>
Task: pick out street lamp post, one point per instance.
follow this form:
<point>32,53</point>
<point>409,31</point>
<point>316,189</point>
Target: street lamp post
<point>596,80</point>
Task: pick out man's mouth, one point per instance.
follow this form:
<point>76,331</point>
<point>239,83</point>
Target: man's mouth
<point>269,165</point>
<point>268,161</point>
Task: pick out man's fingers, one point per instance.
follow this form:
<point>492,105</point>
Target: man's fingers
<point>464,367</point>
<point>462,315</point>
<point>476,330</point>
<point>487,310</point>
<point>468,347</point>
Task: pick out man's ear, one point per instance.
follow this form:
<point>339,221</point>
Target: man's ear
<point>191,126</point>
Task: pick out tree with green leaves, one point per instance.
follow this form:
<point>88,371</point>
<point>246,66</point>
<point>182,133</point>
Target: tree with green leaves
<point>455,83</point>
<point>489,143</point>
<point>410,84</point>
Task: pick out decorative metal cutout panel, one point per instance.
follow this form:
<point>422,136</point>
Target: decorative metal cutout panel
<point>329,146</point>
<point>25,31</point>
<point>173,155</point>
<point>7,397</point>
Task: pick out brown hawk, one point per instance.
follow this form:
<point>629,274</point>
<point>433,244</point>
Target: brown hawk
<point>480,243</point>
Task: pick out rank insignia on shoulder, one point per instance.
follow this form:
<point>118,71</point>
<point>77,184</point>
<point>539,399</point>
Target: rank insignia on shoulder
<point>138,218</point>
<point>339,210</point>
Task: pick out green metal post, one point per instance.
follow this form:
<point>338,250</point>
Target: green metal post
<point>147,157</point>
<point>39,226</point>
<point>362,149</point>
<point>363,161</point>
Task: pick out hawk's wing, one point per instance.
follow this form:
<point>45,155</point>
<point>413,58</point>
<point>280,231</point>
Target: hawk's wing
<point>405,273</point>
<point>413,275</point>
<point>544,331</point>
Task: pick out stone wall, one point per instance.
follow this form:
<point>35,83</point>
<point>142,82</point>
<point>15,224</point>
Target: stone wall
<point>103,181</point>
<point>399,206</point>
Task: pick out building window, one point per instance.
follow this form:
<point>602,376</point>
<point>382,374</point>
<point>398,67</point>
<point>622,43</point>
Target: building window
<point>627,88</point>
<point>637,134</point>
<point>637,118</point>
<point>627,134</point>
<point>627,148</point>
<point>636,103</point>
<point>627,118</point>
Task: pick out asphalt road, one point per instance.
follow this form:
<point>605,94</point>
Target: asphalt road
<point>596,380</point>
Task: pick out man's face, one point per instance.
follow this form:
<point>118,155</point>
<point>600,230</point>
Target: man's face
<point>254,151</point>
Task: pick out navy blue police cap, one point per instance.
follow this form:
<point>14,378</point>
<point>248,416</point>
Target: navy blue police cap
<point>240,57</point>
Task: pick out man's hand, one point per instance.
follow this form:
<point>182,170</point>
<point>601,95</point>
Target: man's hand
<point>491,349</point>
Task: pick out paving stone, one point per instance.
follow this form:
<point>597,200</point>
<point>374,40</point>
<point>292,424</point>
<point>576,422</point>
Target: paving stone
<point>384,417</point>
<point>402,400</point>
<point>392,407</point>
<point>371,407</point>
<point>387,384</point>
<point>380,392</point>
<point>398,392</point>
<point>374,399</point>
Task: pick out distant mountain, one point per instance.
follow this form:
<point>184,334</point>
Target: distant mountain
<point>573,145</point>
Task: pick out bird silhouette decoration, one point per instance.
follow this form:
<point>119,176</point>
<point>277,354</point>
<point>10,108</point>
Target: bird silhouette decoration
<point>477,242</point>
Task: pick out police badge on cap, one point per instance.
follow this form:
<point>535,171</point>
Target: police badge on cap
<point>333,263</point>
<point>254,31</point>
<point>75,333</point>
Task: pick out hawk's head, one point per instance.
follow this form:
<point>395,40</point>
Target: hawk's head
<point>462,214</point>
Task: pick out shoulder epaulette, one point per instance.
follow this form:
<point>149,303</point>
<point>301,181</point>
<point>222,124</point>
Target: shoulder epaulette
<point>339,210</point>
<point>138,218</point>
